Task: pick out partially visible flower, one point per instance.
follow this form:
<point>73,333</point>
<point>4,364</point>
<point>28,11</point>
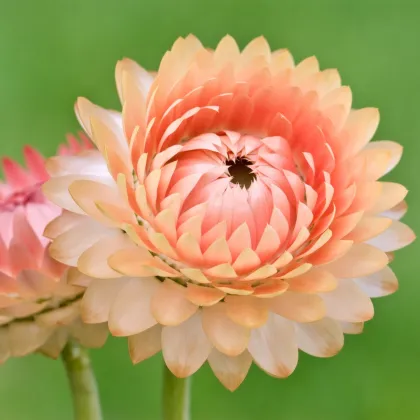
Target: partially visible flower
<point>39,311</point>
<point>232,212</point>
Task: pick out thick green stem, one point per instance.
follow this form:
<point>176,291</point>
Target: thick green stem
<point>176,396</point>
<point>82,382</point>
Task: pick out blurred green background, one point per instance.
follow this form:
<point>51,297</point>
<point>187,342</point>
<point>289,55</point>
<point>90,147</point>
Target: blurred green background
<point>52,51</point>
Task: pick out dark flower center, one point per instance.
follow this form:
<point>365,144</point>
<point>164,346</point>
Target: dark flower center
<point>241,172</point>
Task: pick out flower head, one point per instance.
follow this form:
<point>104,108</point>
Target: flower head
<point>232,212</point>
<point>38,309</point>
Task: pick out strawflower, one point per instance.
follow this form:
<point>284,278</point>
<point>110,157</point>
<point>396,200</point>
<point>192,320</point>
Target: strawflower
<point>232,212</point>
<point>39,310</point>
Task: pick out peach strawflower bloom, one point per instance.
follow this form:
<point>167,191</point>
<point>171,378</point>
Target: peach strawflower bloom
<point>39,311</point>
<point>232,212</point>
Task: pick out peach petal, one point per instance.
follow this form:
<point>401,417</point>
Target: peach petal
<point>236,289</point>
<point>331,251</point>
<point>397,212</point>
<point>271,288</point>
<point>352,327</point>
<point>68,247</point>
<point>219,252</point>
<point>283,260</point>
<point>224,271</point>
<point>185,347</point>
<point>273,346</point>
<point>166,224</point>
<point>188,247</point>
<point>391,195</point>
<point>247,260</point>
<point>316,280</point>
<point>203,296</point>
<point>392,147</point>
<point>195,274</point>
<point>240,239</point>
<point>55,344</point>
<point>75,278</point>
<point>247,311</point>
<point>227,51</point>
<point>348,303</point>
<point>268,244</point>
<point>227,336</point>
<point>145,344</point>
<point>170,305</point>
<point>360,260</point>
<point>379,284</point>
<point>262,273</point>
<point>369,227</point>
<point>303,268</point>
<point>298,307</point>
<point>281,60</point>
<point>131,311</point>
<point>62,223</point>
<point>27,336</point>
<point>230,371</point>
<point>323,338</point>
<point>88,335</point>
<point>397,236</point>
<point>360,126</point>
<point>94,261</point>
<point>98,299</point>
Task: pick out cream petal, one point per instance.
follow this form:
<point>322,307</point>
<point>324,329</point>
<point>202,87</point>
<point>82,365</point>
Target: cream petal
<point>185,347</point>
<point>131,311</point>
<point>227,336</point>
<point>26,336</point>
<point>360,128</point>
<point>98,299</point>
<point>66,221</point>
<point>248,311</point>
<point>397,236</point>
<point>274,347</point>
<point>352,327</point>
<point>348,303</point>
<point>142,78</point>
<point>91,115</point>
<point>195,274</point>
<point>145,344</point>
<point>94,261</point>
<point>203,296</point>
<point>60,316</point>
<point>360,260</point>
<point>323,338</point>
<point>300,307</point>
<point>74,277</point>
<point>169,305</point>
<point>230,371</point>
<point>55,344</point>
<point>4,345</point>
<point>391,195</point>
<point>379,284</point>
<point>91,336</point>
<point>396,212</point>
<point>369,227</point>
<point>392,147</point>
<point>68,247</point>
<point>314,281</point>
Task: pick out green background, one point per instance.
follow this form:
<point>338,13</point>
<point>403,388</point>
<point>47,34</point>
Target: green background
<point>53,51</point>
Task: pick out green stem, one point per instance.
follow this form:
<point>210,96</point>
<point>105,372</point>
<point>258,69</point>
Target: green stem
<point>176,396</point>
<point>82,382</point>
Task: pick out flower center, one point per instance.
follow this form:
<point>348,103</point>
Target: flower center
<point>241,172</point>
